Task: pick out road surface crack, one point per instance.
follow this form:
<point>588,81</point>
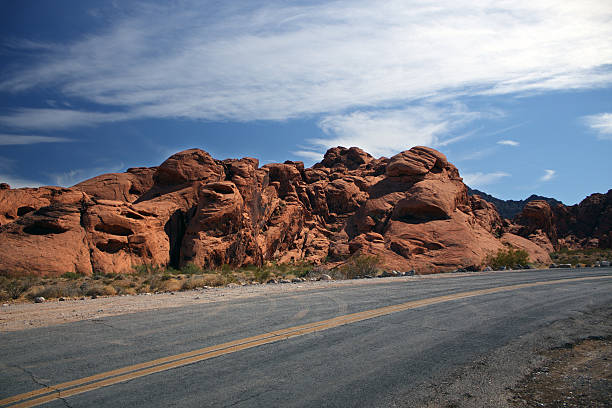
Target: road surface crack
<point>250,397</point>
<point>37,381</point>
<point>33,377</point>
<point>104,323</point>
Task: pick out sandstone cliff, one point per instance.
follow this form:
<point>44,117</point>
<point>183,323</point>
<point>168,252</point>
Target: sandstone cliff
<point>412,210</point>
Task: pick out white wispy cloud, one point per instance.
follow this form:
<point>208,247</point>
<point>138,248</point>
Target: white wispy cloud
<point>7,164</point>
<point>509,143</point>
<point>275,61</point>
<point>600,123</point>
<point>75,176</point>
<point>385,132</point>
<point>11,140</point>
<point>310,156</point>
<point>57,119</point>
<point>19,182</point>
<point>476,180</point>
<point>548,175</point>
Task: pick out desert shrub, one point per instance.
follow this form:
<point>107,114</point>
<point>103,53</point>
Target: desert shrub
<point>147,269</point>
<point>56,290</point>
<point>586,256</point>
<point>317,271</point>
<point>508,257</point>
<point>301,269</point>
<point>172,285</point>
<point>199,281</point>
<point>215,280</point>
<point>298,269</point>
<point>191,269</point>
<point>14,288</point>
<point>72,275</point>
<point>261,275</point>
<point>193,283</point>
<point>97,289</point>
<point>155,282</point>
<point>360,266</point>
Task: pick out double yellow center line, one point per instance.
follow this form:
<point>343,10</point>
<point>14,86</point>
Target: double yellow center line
<point>79,386</point>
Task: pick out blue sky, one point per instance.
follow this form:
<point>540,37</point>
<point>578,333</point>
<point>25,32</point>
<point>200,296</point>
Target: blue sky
<point>517,94</point>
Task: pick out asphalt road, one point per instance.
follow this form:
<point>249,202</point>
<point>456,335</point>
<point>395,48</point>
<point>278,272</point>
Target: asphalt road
<point>378,361</point>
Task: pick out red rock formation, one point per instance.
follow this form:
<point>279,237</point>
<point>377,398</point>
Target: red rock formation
<point>128,186</point>
<point>587,224</point>
<point>411,210</point>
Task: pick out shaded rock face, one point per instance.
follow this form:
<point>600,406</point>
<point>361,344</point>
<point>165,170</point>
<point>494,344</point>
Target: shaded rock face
<point>412,210</point>
<point>511,208</point>
<point>584,225</point>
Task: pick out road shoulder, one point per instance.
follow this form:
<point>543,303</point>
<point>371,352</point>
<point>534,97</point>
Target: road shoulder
<point>505,377</point>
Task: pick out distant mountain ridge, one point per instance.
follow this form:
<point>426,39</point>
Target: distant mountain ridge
<point>511,208</point>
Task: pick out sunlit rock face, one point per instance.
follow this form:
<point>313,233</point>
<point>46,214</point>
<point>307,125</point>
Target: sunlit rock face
<point>411,210</point>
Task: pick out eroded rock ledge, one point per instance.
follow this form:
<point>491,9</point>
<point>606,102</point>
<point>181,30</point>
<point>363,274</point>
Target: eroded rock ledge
<point>412,210</point>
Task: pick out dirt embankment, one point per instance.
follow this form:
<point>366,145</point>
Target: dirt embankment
<point>565,364</point>
<point>575,375</point>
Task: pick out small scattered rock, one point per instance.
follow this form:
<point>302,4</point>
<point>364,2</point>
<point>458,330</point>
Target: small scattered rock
<point>39,299</point>
<point>61,299</point>
<point>271,281</point>
<point>389,274</point>
<point>284,281</point>
<point>326,277</point>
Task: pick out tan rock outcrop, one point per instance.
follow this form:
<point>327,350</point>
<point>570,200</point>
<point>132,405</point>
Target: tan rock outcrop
<point>536,253</point>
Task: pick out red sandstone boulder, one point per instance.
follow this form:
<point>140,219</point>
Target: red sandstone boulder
<point>537,254</point>
<point>47,239</point>
<point>417,161</point>
<point>412,211</point>
<point>127,186</point>
<point>350,159</point>
<point>15,203</point>
<point>189,166</point>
